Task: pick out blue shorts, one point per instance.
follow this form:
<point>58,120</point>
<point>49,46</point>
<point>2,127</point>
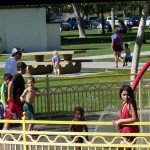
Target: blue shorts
<point>128,58</point>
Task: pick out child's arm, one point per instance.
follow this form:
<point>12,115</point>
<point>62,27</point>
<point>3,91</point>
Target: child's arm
<point>4,98</point>
<point>23,95</point>
<point>52,61</point>
<point>71,129</point>
<point>112,44</point>
<point>128,120</point>
<point>10,85</point>
<point>38,92</point>
<point>35,91</point>
<point>86,130</point>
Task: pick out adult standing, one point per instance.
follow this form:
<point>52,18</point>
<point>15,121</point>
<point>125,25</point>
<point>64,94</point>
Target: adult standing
<point>11,62</point>
<point>116,46</point>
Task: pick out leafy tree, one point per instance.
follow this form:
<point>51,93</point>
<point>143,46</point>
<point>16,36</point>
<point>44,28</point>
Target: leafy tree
<point>139,39</point>
<point>76,8</point>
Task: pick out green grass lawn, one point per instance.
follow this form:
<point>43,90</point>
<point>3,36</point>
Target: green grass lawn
<point>95,44</point>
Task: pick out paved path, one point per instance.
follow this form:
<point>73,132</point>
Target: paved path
<point>102,64</point>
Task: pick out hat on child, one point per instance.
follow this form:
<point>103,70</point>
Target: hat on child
<point>16,49</point>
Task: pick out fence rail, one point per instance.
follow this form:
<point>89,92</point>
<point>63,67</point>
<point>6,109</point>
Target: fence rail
<point>60,139</point>
<point>93,96</point>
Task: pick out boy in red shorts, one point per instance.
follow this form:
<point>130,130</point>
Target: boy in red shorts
<point>15,90</point>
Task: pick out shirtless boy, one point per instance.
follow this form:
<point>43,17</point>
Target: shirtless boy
<point>30,93</point>
<point>78,116</point>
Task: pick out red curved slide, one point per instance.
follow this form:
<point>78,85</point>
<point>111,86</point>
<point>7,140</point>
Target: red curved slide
<point>140,74</point>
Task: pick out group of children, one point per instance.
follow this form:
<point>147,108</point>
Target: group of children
<point>128,114</point>
<point>15,99</point>
<point>12,103</point>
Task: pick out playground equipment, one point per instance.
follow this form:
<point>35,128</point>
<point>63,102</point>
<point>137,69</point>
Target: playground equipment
<point>140,74</point>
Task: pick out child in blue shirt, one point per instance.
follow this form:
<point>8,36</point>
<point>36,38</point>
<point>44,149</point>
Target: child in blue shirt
<point>128,57</point>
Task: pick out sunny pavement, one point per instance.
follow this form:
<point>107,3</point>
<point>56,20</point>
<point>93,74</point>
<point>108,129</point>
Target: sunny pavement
<point>104,65</point>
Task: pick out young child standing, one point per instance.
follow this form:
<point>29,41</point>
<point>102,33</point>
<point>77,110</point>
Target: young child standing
<point>4,96</point>
<point>128,114</point>
<point>128,57</point>
<point>78,116</point>
<point>31,92</point>
<point>56,63</point>
<point>15,90</point>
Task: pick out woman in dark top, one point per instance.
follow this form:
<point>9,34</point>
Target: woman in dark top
<point>116,46</point>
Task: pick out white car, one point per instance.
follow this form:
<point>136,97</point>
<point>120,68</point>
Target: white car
<point>126,20</point>
<point>108,19</point>
<point>148,22</point>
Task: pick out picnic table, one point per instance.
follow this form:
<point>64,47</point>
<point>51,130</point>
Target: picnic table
<point>67,64</point>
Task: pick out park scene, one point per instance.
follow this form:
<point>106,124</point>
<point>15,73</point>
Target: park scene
<point>78,78</point>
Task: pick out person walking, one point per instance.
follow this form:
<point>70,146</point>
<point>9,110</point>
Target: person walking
<point>15,89</point>
<point>116,46</point>
<point>11,62</point>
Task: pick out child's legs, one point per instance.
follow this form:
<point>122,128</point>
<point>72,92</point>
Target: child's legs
<point>57,70</point>
<point>79,140</point>
<point>127,139</point>
<point>116,57</point>
<point>6,126</point>
<point>30,127</point>
<point>1,114</point>
<point>29,114</point>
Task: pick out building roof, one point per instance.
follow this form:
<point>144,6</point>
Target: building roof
<point>10,3</point>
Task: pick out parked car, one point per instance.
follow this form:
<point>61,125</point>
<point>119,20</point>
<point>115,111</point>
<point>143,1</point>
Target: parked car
<point>121,27</point>
<point>106,26</point>
<point>64,24</point>
<point>148,22</point>
<point>126,20</point>
<point>134,21</point>
<point>73,23</point>
<point>108,19</point>
<point>95,23</point>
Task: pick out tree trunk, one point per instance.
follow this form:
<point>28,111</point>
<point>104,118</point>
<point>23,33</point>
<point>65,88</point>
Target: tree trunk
<point>139,39</point>
<point>112,19</point>
<point>79,21</point>
<point>124,14</point>
<point>103,22</point>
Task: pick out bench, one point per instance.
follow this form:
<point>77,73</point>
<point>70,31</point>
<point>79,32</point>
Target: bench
<point>67,64</point>
<point>46,67</point>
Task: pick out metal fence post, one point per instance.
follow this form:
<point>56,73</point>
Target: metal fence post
<point>25,147</point>
<point>140,94</point>
<point>48,97</point>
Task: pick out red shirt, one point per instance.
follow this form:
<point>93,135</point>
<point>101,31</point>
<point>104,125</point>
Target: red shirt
<point>124,114</point>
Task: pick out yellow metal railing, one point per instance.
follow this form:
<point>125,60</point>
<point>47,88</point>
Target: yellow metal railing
<point>48,139</point>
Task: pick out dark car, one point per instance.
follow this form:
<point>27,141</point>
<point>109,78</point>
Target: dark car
<point>95,23</point>
<point>73,23</point>
<point>134,21</point>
